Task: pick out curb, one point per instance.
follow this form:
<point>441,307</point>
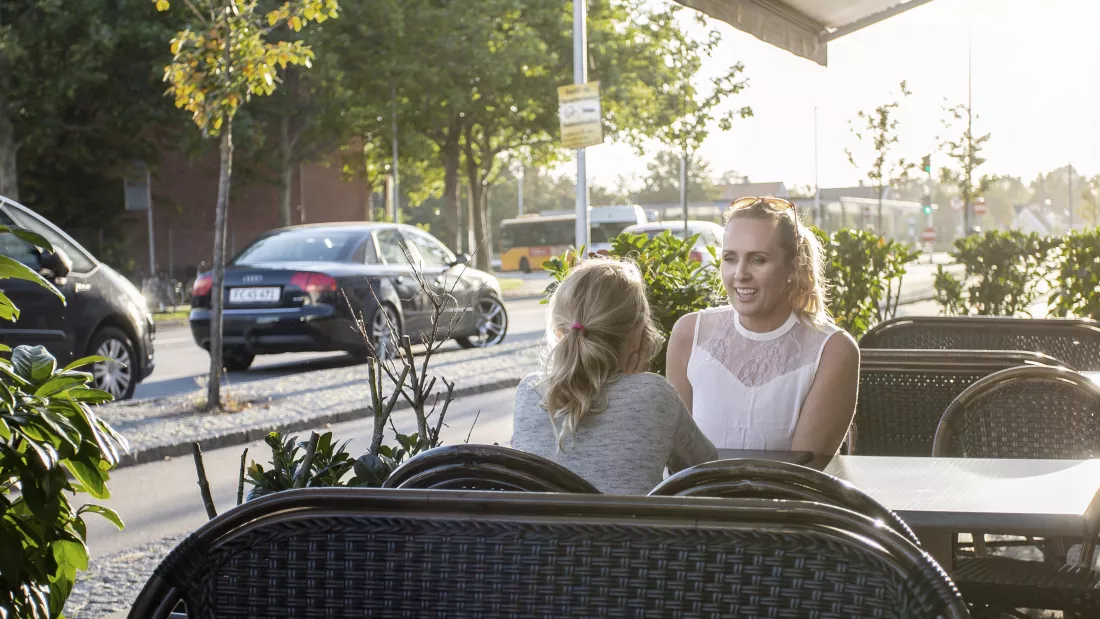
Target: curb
<point>242,437</point>
<point>524,297</point>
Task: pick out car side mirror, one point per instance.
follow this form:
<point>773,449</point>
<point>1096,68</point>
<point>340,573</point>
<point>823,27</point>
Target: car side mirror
<point>55,264</point>
<point>461,259</point>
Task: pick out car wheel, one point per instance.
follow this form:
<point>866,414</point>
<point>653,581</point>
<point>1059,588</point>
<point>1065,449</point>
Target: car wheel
<point>384,333</point>
<point>115,375</point>
<point>492,324</point>
<point>524,265</point>
<point>237,360</point>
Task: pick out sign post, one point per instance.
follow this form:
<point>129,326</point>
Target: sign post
<point>138,194</point>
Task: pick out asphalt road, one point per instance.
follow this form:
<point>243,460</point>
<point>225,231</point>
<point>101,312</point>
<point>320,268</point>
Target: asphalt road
<point>180,362</point>
<point>159,499</point>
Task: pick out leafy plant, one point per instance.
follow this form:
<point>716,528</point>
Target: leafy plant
<point>863,272</point>
<point>328,466</point>
<point>1005,273</point>
<point>676,284</point>
<point>48,432</point>
<point>1078,290</point>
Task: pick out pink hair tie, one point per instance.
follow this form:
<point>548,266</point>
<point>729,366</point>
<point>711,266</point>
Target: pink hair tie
<point>579,327</point>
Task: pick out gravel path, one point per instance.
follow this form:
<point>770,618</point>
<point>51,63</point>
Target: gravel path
<point>164,427</point>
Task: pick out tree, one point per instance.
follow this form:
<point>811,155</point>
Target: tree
<point>694,111</point>
<point>879,127</point>
<point>1090,196</point>
<point>662,181</point>
<point>966,150</point>
<point>221,58</point>
<point>1003,196</point>
<point>79,97</point>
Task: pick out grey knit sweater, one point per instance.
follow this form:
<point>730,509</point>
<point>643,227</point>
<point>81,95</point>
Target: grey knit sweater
<point>623,449</point>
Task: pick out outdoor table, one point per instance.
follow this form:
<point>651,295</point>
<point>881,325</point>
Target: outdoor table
<point>938,497</point>
<point>794,457</point>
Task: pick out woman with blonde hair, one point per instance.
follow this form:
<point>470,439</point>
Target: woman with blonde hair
<point>769,371</point>
<point>595,409</point>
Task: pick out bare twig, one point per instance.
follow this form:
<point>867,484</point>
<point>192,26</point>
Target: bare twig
<point>302,477</point>
<point>471,432</point>
<point>204,485</point>
<point>240,478</point>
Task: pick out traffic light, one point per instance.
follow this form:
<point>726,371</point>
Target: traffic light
<point>927,208</point>
<point>926,164</point>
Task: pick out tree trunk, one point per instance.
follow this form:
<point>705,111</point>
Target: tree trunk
<point>286,173</point>
<point>477,210</point>
<point>9,178</point>
<point>452,208</point>
<point>213,388</point>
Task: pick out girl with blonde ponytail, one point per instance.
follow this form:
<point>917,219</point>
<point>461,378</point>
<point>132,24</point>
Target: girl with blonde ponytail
<point>770,370</point>
<point>594,409</point>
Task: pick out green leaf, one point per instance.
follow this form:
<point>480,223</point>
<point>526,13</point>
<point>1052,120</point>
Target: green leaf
<point>106,512</point>
<point>11,269</point>
<point>59,384</point>
<point>79,363</point>
<point>93,480</point>
<point>33,363</point>
<point>70,556</point>
<point>89,396</point>
<point>8,310</point>
<point>32,237</point>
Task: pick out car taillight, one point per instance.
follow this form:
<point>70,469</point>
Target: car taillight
<point>202,285</point>
<point>315,285</point>
<point>696,256</point>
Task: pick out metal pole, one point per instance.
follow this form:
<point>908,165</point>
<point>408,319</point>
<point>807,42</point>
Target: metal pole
<point>396,178</point>
<point>684,192</point>
<point>819,219</point>
<point>580,76</point>
<point>520,180</point>
<point>969,123</point>
<point>149,203</point>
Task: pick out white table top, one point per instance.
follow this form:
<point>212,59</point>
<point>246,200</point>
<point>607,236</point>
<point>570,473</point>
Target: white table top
<point>1024,497</point>
<point>1094,376</point>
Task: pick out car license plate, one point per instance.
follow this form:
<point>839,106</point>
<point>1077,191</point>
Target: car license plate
<point>255,295</point>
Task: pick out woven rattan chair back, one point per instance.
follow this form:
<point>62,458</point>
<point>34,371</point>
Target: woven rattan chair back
<point>385,553</point>
<point>1075,341</point>
<point>769,479</point>
<point>486,467</point>
<point>903,394</point>
<point>1024,412</point>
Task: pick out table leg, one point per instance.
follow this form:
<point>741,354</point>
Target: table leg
<point>940,544</point>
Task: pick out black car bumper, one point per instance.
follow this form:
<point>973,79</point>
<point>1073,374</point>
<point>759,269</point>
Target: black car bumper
<point>309,328</point>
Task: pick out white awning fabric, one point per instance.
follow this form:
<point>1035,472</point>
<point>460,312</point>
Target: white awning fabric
<point>802,27</point>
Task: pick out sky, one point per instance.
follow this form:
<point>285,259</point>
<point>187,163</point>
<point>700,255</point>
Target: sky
<point>1035,87</point>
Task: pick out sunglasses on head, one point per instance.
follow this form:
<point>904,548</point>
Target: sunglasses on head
<point>776,204</point>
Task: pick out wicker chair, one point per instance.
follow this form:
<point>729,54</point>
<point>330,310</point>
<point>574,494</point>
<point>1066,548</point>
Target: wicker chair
<point>486,467</point>
<point>1073,340</point>
<point>903,394</point>
<point>768,479</point>
<point>384,553</point>
<point>1027,412</point>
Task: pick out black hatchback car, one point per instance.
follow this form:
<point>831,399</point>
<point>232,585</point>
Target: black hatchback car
<point>303,288</point>
<point>103,314</point>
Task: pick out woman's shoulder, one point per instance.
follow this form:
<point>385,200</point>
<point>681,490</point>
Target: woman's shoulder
<point>647,389</point>
<point>685,326</point>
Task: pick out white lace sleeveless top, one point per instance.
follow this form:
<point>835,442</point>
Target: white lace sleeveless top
<point>748,388</point>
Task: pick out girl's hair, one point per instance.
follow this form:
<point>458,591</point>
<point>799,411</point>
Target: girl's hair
<point>803,251</point>
<point>592,314</point>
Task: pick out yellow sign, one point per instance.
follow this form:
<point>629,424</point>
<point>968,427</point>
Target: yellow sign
<point>579,108</point>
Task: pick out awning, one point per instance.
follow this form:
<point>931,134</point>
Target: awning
<point>802,27</point>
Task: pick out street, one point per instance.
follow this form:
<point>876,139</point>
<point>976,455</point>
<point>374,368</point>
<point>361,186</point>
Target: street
<point>180,361</point>
<point>160,499</point>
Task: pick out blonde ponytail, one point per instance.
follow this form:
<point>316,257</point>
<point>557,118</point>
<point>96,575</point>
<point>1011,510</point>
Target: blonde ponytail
<point>592,315</point>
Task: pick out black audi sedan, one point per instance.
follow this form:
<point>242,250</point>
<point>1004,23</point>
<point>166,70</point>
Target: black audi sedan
<point>303,288</point>
<point>103,314</point>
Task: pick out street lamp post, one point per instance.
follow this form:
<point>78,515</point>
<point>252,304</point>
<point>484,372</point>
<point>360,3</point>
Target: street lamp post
<point>580,76</point>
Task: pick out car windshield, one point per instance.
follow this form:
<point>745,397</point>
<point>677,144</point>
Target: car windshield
<point>305,245</point>
<point>604,232</point>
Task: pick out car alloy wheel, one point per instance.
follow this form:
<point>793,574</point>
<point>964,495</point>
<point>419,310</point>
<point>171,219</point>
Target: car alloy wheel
<point>492,322</point>
<point>116,373</point>
<point>383,327</point>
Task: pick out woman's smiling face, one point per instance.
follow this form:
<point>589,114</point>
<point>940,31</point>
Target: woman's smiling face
<point>756,273</point>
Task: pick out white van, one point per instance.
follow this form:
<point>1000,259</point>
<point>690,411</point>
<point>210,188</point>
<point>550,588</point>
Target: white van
<point>607,222</point>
